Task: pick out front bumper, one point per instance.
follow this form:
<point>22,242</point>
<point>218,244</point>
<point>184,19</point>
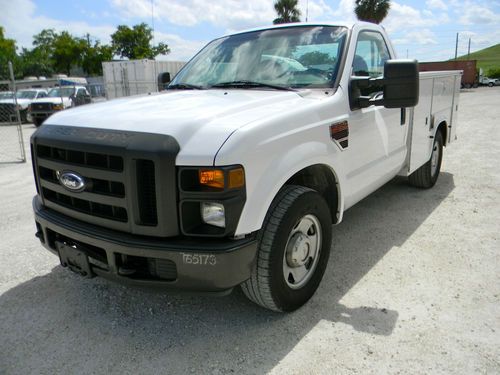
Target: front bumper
<point>199,264</point>
<point>40,115</point>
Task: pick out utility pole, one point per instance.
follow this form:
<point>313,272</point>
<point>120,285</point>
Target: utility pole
<point>307,10</point>
<point>468,51</point>
<point>456,48</point>
<point>153,20</point>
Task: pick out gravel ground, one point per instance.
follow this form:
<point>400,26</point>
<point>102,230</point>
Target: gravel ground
<point>412,287</point>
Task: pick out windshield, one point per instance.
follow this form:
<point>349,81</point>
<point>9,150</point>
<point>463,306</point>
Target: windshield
<point>61,92</point>
<point>296,57</point>
<point>6,95</point>
<point>26,94</point>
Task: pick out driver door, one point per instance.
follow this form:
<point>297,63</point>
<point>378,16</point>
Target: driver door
<point>376,134</point>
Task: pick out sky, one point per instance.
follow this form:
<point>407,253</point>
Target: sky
<point>421,29</point>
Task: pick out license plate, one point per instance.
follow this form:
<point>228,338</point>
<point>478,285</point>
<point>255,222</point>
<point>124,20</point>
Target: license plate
<point>74,259</point>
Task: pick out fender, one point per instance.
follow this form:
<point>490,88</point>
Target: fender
<point>440,117</point>
<point>264,185</point>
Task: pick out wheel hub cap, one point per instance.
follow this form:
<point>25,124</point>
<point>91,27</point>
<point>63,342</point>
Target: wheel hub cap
<point>298,250</point>
<point>302,252</point>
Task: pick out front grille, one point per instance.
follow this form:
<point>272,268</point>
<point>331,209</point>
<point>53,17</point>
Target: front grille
<point>82,158</point>
<point>94,185</point>
<point>146,192</point>
<point>120,171</point>
<point>41,107</point>
<point>86,206</point>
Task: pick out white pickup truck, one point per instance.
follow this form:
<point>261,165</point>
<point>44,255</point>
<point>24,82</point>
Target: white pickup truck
<point>58,99</point>
<point>235,174</point>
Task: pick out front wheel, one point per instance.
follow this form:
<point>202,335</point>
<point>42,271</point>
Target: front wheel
<point>294,247</point>
<point>37,122</point>
<point>426,176</point>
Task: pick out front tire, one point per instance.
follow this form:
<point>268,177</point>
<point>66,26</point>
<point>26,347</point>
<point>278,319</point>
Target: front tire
<point>37,122</point>
<point>426,176</point>
<point>293,252</point>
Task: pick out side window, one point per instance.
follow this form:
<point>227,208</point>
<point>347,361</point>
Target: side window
<point>80,92</point>
<point>41,94</point>
<point>371,54</point>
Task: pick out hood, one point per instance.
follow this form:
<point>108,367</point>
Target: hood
<point>21,102</point>
<point>200,120</point>
<point>55,100</point>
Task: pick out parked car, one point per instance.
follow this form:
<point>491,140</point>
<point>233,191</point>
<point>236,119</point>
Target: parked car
<point>6,95</point>
<point>57,99</point>
<point>23,99</point>
<point>490,82</point>
<point>235,174</point>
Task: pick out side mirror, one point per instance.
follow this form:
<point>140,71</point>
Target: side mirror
<point>163,80</point>
<point>400,86</point>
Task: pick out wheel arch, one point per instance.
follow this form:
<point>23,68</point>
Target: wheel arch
<point>443,128</point>
<point>323,179</point>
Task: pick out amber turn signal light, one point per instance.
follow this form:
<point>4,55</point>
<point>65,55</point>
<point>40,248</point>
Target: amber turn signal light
<point>215,178</point>
<point>236,178</point>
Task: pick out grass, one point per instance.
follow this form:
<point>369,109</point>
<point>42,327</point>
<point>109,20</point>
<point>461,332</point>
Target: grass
<point>488,58</point>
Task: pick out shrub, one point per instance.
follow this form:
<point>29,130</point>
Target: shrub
<point>494,73</point>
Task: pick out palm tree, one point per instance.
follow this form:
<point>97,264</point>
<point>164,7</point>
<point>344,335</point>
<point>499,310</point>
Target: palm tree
<point>372,10</point>
<point>287,11</point>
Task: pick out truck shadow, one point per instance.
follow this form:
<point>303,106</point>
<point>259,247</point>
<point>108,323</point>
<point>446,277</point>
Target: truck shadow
<point>60,323</point>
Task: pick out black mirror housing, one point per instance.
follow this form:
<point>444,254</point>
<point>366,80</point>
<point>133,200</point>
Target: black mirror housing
<point>401,83</point>
<point>163,80</point>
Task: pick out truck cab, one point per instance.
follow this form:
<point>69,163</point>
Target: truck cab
<point>235,174</point>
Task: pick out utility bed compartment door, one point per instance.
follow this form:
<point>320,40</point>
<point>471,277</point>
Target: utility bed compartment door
<point>452,127</point>
<point>421,141</point>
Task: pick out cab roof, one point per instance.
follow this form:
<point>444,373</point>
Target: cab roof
<point>348,25</point>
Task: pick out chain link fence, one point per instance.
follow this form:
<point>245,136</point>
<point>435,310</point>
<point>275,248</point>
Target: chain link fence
<point>11,117</point>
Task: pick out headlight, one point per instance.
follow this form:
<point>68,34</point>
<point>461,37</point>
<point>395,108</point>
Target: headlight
<point>213,214</point>
<point>211,200</point>
<point>58,107</point>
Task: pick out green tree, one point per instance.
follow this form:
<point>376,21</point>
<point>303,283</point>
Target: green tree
<point>287,11</point>
<point>44,40</point>
<point>68,52</point>
<point>7,53</point>
<point>35,62</point>
<point>39,61</point>
<point>93,56</point>
<point>494,73</point>
<point>316,58</point>
<point>373,11</point>
<point>135,42</point>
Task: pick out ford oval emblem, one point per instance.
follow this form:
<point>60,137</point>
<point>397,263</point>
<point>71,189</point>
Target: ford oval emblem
<point>71,181</point>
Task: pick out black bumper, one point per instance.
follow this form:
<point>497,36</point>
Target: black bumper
<point>41,115</point>
<point>195,264</point>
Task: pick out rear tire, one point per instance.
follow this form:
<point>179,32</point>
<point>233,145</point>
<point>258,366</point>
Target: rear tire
<point>293,251</point>
<point>426,176</point>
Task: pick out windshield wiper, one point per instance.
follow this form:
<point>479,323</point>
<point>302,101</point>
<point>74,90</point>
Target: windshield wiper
<point>185,86</point>
<point>250,84</point>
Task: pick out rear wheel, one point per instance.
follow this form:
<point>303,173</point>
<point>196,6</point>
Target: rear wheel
<point>294,247</point>
<point>426,176</point>
<point>490,84</point>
